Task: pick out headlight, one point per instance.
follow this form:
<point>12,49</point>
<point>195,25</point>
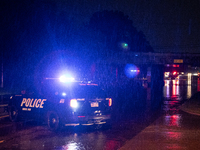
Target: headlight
<point>73,103</point>
<point>64,94</point>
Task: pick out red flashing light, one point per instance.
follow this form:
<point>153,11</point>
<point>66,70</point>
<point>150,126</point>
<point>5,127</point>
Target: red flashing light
<point>174,73</point>
<point>175,65</point>
<point>81,116</point>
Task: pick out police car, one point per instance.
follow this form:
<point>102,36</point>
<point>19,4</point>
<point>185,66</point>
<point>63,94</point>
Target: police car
<point>60,103</point>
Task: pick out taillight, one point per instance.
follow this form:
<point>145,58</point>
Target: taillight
<point>109,101</point>
<point>73,103</point>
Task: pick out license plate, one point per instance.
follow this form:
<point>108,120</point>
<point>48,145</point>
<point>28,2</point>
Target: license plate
<point>94,104</point>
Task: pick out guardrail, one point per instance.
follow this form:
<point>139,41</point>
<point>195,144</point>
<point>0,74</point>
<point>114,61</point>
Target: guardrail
<point>4,106</point>
<point>4,111</point>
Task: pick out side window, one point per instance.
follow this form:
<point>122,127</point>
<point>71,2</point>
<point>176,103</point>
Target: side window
<point>31,92</point>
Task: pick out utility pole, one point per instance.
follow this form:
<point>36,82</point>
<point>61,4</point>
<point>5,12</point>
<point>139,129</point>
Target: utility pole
<point>2,70</point>
<point>2,77</point>
<point>2,74</point>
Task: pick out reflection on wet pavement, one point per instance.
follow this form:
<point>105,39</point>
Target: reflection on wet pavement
<point>174,129</point>
<point>173,120</point>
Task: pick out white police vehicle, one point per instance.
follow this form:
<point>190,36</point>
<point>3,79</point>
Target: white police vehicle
<point>63,104</point>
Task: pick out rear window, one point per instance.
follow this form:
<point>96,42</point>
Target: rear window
<point>72,90</point>
<point>86,91</point>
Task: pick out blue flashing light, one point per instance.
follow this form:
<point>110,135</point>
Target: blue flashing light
<point>66,79</point>
<point>131,71</point>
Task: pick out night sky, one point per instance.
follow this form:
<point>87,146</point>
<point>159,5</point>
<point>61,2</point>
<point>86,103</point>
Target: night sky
<point>28,28</point>
<point>169,26</point>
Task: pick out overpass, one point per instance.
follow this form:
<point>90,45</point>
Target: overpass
<point>151,66</point>
<point>169,62</point>
<point>192,59</point>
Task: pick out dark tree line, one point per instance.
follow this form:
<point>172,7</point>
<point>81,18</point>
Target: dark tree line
<point>117,32</point>
<point>33,30</point>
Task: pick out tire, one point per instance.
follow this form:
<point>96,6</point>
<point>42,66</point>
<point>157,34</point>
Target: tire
<point>53,121</point>
<point>13,113</point>
<point>105,126</point>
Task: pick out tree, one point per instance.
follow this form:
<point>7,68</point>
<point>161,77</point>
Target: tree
<point>117,33</point>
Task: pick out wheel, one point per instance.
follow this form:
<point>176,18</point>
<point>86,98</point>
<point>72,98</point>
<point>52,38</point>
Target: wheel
<point>13,113</point>
<point>53,121</point>
<point>105,126</point>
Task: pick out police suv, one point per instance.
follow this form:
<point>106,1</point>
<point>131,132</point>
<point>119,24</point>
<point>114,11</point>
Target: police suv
<point>63,103</point>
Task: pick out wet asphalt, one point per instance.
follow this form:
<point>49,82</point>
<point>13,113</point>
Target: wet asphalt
<point>167,128</point>
<point>32,135</point>
<point>174,130</point>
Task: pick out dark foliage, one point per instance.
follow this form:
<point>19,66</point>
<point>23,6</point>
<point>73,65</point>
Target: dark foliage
<point>34,33</point>
<point>116,32</point>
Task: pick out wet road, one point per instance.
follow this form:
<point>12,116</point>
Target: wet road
<point>174,129</point>
<point>31,137</point>
<point>168,129</point>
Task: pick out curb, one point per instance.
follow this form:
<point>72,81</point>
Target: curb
<point>4,116</point>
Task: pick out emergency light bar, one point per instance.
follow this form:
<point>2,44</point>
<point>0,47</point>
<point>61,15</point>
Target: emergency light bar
<point>66,79</point>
